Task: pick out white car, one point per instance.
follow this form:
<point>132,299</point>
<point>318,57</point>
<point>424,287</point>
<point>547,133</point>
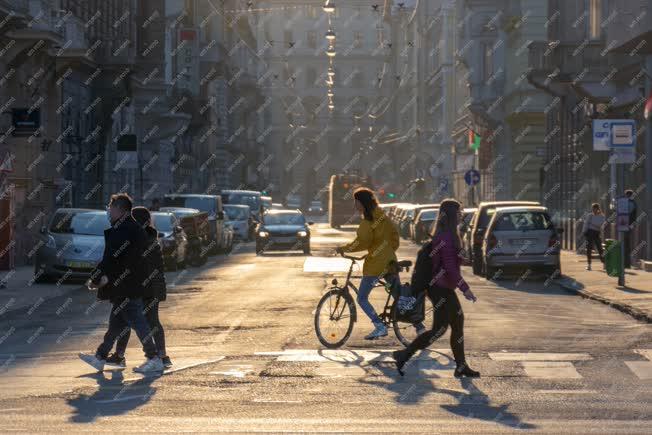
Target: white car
<point>315,208</point>
<point>238,217</point>
<point>523,237</point>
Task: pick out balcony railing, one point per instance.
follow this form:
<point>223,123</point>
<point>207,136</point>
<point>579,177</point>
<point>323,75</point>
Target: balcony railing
<point>45,17</point>
<point>16,7</point>
<point>569,58</point>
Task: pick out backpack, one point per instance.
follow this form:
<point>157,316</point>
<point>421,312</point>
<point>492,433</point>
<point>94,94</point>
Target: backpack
<point>422,272</point>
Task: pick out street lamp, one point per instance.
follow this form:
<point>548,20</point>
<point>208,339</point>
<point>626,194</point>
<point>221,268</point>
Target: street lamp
<point>329,7</point>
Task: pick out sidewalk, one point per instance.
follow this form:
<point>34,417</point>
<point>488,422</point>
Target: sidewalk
<point>21,292</point>
<point>634,299</point>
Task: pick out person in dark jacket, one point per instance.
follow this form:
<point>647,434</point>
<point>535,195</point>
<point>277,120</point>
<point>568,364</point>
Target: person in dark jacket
<point>119,278</point>
<point>446,274</point>
<point>155,291</point>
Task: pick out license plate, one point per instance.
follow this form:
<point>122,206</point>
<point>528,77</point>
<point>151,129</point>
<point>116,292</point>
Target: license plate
<point>81,264</point>
<point>285,239</point>
<point>522,241</point>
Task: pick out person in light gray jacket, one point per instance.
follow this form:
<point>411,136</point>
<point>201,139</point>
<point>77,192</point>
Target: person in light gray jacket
<point>592,229</point>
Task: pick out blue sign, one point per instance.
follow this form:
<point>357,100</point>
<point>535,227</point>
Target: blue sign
<point>472,177</point>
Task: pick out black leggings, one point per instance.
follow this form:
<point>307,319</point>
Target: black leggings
<point>593,238</point>
<point>448,311</point>
<point>151,314</point>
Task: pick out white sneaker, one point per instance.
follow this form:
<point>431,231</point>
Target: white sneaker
<point>93,361</point>
<point>588,267</point>
<point>151,365</point>
<point>379,331</point>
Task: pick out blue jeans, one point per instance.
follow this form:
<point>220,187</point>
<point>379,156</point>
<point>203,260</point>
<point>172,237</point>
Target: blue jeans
<point>366,285</point>
<point>126,314</point>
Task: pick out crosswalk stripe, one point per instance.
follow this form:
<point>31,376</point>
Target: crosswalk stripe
<point>538,356</point>
<point>550,370</point>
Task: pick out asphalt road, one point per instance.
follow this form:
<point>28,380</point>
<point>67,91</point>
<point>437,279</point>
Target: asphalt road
<point>240,332</point>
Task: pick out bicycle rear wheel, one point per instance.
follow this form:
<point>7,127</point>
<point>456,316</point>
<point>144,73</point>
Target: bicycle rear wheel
<point>334,318</point>
<point>406,332</point>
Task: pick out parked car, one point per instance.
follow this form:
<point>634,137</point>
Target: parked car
<point>72,244</point>
<point>521,236</point>
<point>252,198</point>
<point>465,233</point>
<point>195,225</point>
<point>405,218</point>
<point>479,224</point>
<point>239,217</point>
<point>415,211</point>
<point>172,238</point>
<point>277,206</point>
<point>283,229</point>
<point>266,202</point>
<point>316,208</point>
<point>422,225</point>
<point>221,240</point>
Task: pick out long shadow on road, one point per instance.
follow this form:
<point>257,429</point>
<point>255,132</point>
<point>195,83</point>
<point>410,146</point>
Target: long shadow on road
<point>113,397</point>
<point>471,403</point>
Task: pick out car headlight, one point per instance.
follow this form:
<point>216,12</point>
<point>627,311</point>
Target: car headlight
<point>263,234</point>
<point>50,243</point>
<point>302,234</point>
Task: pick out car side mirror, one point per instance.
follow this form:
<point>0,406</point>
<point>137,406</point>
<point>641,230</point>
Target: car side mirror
<point>311,223</point>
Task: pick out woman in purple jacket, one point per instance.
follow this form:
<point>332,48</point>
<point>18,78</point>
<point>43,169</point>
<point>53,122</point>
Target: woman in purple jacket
<point>446,278</point>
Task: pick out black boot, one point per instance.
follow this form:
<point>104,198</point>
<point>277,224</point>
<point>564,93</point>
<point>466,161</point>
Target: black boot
<point>464,370</point>
<point>400,358</point>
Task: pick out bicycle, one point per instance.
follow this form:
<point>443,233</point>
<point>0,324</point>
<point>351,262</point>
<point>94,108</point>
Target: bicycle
<point>338,310</point>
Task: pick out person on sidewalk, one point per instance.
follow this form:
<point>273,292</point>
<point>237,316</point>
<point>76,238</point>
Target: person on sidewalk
<point>629,194</point>
<point>155,292</point>
<point>377,235</point>
<point>592,229</point>
<point>119,278</point>
<point>447,277</point>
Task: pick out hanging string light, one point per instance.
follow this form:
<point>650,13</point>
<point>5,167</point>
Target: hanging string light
<point>329,7</point>
<point>330,35</point>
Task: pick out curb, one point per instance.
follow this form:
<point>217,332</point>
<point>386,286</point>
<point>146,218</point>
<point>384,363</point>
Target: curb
<point>634,312</point>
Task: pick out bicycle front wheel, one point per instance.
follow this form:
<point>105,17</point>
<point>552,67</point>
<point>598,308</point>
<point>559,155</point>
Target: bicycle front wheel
<point>406,332</point>
<point>334,318</point>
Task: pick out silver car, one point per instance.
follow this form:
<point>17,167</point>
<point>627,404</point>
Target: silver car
<point>521,236</point>
<point>71,245</point>
<point>239,218</point>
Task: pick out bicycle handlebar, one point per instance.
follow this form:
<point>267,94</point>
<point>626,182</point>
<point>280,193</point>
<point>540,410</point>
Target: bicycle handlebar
<point>348,257</point>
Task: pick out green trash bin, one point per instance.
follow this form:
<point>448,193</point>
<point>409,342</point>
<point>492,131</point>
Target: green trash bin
<point>612,257</point>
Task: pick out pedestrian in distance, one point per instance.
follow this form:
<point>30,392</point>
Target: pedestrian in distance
<point>446,277</point>
<point>633,208</point>
<point>377,235</point>
<point>155,291</point>
<point>119,278</point>
<point>592,229</point>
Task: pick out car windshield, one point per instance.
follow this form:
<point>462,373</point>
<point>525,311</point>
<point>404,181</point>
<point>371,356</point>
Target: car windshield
<point>428,215</point>
<point>163,222</point>
<point>180,213</point>
<point>523,221</point>
<point>266,203</point>
<point>236,213</point>
<point>88,223</point>
<point>203,203</point>
<point>284,219</point>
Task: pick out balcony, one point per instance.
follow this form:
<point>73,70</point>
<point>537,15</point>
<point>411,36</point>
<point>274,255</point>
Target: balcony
<point>17,8</point>
<point>630,30</point>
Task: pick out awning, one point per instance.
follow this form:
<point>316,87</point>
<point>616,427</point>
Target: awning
<point>608,93</point>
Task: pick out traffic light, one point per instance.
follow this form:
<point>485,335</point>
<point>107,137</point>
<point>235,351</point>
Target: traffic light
<point>391,195</point>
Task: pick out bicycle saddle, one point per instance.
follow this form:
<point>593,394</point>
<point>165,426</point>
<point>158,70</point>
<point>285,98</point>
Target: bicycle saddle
<point>404,263</point>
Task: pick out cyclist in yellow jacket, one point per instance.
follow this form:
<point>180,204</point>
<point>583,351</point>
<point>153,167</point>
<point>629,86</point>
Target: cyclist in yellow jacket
<point>377,235</point>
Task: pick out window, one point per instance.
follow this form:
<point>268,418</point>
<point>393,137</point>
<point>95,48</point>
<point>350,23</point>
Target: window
<point>358,39</point>
<point>312,39</point>
<point>312,11</point>
<point>311,77</point>
<point>488,61</point>
<point>523,221</point>
<point>358,79</point>
<point>595,19</point>
<point>288,36</point>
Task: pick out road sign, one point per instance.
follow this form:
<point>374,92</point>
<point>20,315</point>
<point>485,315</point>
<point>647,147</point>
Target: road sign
<point>622,214</point>
<point>472,177</point>
<point>618,136</point>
